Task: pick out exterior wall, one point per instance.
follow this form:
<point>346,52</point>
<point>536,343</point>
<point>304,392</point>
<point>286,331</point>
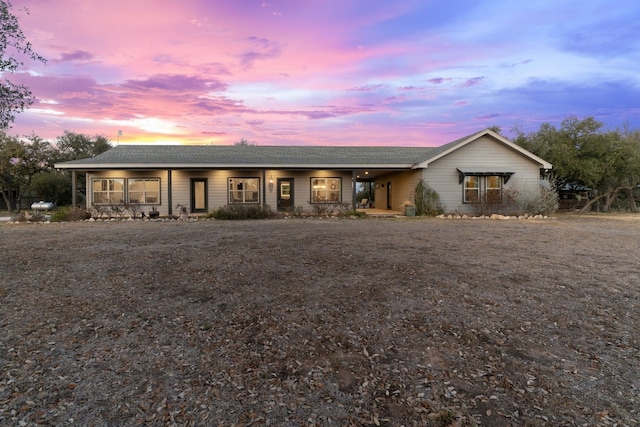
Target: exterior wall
<point>302,185</point>
<point>403,185</point>
<point>164,178</point>
<point>217,192</point>
<point>484,153</point>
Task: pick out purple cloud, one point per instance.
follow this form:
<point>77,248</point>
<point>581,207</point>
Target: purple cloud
<point>489,116</point>
<point>472,82</point>
<point>367,88</point>
<point>175,83</point>
<point>438,80</point>
<point>261,48</point>
<point>78,55</point>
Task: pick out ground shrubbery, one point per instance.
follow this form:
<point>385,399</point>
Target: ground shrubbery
<point>427,200</point>
<point>544,202</point>
<point>70,214</point>
<point>242,212</point>
<point>513,202</point>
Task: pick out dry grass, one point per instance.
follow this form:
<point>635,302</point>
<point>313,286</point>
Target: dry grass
<point>321,322</point>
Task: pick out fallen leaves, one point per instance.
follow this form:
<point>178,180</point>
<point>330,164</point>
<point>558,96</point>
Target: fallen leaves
<point>236,325</point>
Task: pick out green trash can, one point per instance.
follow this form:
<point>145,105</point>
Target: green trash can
<point>409,211</point>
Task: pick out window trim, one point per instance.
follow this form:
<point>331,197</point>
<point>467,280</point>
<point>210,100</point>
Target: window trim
<point>109,192</point>
<point>145,190</point>
<point>125,190</point>
<point>465,189</point>
<point>482,188</point>
<point>243,190</point>
<point>337,190</point>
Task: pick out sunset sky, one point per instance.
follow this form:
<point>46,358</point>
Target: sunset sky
<point>326,72</point>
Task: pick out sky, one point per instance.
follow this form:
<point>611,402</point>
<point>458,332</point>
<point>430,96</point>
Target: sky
<point>326,72</point>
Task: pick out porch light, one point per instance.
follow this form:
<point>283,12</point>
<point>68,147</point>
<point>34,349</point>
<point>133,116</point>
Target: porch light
<point>271,179</point>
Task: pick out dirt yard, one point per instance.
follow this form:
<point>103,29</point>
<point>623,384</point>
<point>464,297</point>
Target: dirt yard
<point>390,322</point>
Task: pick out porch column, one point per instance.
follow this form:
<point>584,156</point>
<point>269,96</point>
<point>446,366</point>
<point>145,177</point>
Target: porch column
<point>169,198</point>
<point>264,188</point>
<point>353,190</point>
<point>74,189</point>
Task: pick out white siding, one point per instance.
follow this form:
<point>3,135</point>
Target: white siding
<point>484,153</point>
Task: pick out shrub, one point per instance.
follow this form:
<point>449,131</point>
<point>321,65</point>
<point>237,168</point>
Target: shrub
<point>513,202</point>
<point>242,212</point>
<point>427,200</point>
<point>335,208</point>
<point>118,209</point>
<point>97,211</point>
<point>505,204</point>
<point>134,209</point>
<point>544,202</point>
<point>73,214</point>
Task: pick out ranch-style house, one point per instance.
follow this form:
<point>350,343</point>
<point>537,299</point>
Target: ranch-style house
<point>204,178</point>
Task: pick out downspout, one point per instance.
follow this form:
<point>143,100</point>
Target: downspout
<point>169,198</point>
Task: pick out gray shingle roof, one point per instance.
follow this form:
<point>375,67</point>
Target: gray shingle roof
<point>261,156</point>
<point>251,156</point>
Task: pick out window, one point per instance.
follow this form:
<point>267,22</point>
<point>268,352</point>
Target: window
<point>108,190</point>
<point>112,191</point>
<point>471,189</point>
<point>144,191</point>
<point>482,188</point>
<point>494,188</point>
<point>326,190</point>
<point>244,190</point>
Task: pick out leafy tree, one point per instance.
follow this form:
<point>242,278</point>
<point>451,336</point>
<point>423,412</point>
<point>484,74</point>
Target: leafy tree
<point>244,143</point>
<point>497,129</point>
<point>52,186</point>
<point>584,155</point>
<point>14,98</point>
<point>20,162</point>
<point>74,146</point>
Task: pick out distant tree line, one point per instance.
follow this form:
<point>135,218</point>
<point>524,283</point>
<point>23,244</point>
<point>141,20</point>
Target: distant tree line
<point>604,164</point>
<point>26,166</point>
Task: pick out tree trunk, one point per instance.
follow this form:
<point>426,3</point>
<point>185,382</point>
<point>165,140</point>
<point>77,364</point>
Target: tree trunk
<point>7,200</point>
<point>632,201</point>
<point>609,197</point>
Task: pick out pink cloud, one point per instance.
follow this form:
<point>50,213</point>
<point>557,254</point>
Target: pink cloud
<point>278,71</point>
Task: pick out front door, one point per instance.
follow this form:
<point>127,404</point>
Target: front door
<point>285,194</point>
<point>199,195</point>
<point>389,195</point>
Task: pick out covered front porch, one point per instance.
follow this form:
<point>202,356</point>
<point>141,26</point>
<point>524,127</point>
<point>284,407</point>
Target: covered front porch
<point>375,212</point>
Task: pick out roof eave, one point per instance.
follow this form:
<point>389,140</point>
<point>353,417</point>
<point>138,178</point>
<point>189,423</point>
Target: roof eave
<point>150,166</point>
<point>543,163</point>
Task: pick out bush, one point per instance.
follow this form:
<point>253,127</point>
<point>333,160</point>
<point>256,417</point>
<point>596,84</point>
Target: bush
<point>242,212</point>
<point>544,202</point>
<point>52,186</point>
<point>513,202</point>
<point>427,200</point>
<point>73,214</point>
<point>505,204</point>
<point>335,208</point>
